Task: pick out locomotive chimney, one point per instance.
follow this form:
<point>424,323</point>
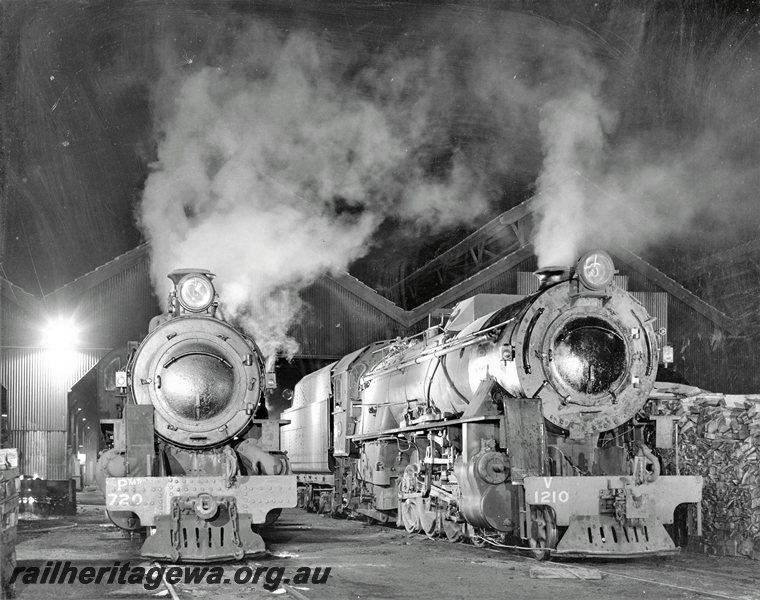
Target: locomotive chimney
<point>548,276</point>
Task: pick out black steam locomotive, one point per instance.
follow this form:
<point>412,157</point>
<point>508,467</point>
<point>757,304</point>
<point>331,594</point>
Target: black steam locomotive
<point>191,464</point>
<point>519,418</point>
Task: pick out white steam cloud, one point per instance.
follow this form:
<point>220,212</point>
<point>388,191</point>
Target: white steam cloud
<point>651,146</point>
<point>280,155</point>
<point>279,169</point>
<point>574,132</point>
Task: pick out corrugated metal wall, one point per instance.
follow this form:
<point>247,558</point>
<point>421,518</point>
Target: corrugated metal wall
<point>336,322</point>
<point>19,328</point>
<point>527,283</point>
<point>38,382</point>
<point>505,283</point>
<point>708,357</point>
<point>656,304</point>
<point>639,282</point>
<point>41,453</point>
<point>118,309</point>
<point>109,313</point>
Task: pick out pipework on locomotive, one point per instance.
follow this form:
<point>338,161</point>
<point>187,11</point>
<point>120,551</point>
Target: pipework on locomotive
<point>519,418</point>
<point>195,463</point>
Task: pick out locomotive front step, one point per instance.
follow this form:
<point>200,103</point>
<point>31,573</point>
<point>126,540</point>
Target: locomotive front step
<point>183,536</point>
<point>603,535</point>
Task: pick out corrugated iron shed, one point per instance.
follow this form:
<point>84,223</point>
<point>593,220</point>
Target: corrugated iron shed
<point>338,320</point>
<point>112,304</point>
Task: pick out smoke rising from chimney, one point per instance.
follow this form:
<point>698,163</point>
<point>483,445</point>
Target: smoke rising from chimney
<point>653,143</point>
<point>279,168</point>
<point>280,154</point>
<point>573,129</point>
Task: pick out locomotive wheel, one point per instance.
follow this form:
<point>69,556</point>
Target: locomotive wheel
<point>272,516</point>
<point>454,531</point>
<point>543,532</point>
<point>429,520</point>
<point>309,499</point>
<point>127,521</point>
<point>411,516</point>
<point>474,536</point>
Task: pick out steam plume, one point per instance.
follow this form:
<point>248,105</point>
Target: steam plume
<point>652,144</point>
<point>574,129</point>
<point>279,155</point>
<point>279,168</point>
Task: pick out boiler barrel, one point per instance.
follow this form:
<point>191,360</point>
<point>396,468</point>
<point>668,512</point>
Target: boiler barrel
<point>592,360</point>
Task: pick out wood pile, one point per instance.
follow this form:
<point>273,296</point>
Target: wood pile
<point>719,439</point>
<point>8,518</point>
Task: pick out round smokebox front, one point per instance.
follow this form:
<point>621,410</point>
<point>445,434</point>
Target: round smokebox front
<point>202,378</point>
<point>589,359</point>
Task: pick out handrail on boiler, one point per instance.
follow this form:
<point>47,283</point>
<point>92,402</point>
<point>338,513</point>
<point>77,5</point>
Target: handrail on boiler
<point>473,338</point>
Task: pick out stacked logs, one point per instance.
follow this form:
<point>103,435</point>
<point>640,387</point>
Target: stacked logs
<point>8,518</point>
<point>719,439</point>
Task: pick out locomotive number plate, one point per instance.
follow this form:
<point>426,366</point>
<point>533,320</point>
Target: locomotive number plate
<point>119,492</point>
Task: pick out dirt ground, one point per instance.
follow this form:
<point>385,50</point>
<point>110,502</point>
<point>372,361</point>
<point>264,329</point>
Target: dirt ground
<point>371,562</point>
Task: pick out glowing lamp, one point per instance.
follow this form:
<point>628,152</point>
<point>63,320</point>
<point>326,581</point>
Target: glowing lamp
<point>60,334</point>
<point>120,379</point>
<point>595,270</point>
<point>195,292</point>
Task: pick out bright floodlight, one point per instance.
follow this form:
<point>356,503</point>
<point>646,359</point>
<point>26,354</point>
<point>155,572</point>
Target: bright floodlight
<point>60,334</point>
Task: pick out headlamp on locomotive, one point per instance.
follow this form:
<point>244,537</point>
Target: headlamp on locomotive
<point>595,270</point>
<point>193,292</point>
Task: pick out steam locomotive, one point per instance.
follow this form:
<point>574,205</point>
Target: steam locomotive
<point>519,418</point>
<point>195,463</point>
